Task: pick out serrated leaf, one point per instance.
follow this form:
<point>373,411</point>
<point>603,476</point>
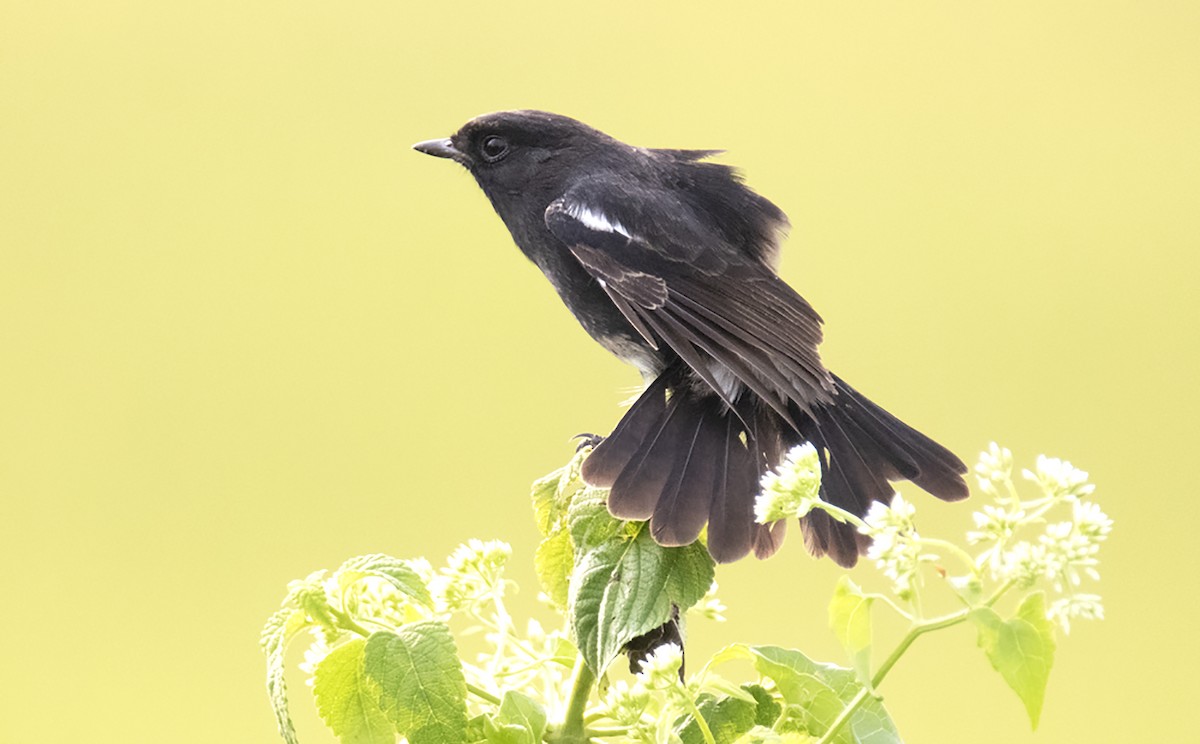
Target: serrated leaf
<point>278,632</point>
<point>520,720</point>
<point>850,619</point>
<point>554,561</point>
<point>551,494</point>
<point>821,692</point>
<point>589,521</point>
<point>767,708</point>
<point>1021,649</point>
<point>422,690</point>
<point>520,709</point>
<point>543,496</point>
<point>476,731</point>
<point>506,733</point>
<point>727,718</point>
<point>398,573</point>
<point>347,700</point>
<point>721,687</point>
<point>624,585</point>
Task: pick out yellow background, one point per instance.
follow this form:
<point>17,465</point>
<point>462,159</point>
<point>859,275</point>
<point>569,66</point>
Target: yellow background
<point>245,332</point>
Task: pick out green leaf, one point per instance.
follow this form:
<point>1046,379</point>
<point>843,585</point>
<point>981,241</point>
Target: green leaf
<point>520,720</point>
<point>506,733</point>
<point>624,583</point>
<point>278,632</point>
<point>524,711</point>
<point>767,709</point>
<point>347,700</point>
<point>554,561</point>
<point>727,717</point>
<point>590,523</point>
<point>309,595</point>
<point>850,619</point>
<point>422,690</point>
<point>398,573</point>
<point>821,692</point>
<point>476,731</point>
<point>552,493</point>
<point>1022,649</point>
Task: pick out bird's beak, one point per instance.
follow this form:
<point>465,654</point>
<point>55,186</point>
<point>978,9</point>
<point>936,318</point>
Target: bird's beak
<point>439,148</point>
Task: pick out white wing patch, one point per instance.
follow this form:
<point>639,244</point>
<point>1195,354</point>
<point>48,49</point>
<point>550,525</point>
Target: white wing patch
<point>730,385</point>
<point>595,219</point>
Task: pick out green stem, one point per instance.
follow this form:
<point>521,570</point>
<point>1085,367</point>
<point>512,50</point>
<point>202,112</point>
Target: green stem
<point>603,732</point>
<point>573,729</point>
<point>916,632</point>
<point>483,694</point>
<point>841,514</point>
<point>950,547</point>
<point>347,622</point>
<point>705,731</point>
<point>844,716</point>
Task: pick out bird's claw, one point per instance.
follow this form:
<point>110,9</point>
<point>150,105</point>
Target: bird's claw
<point>587,440</point>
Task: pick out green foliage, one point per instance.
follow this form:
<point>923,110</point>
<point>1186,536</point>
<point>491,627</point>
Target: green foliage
<point>385,660</point>
<point>817,694</point>
<point>1021,649</point>
<point>850,619</point>
<point>348,700</point>
<point>520,720</point>
<point>728,717</point>
<point>625,584</point>
<point>278,632</point>
<point>398,573</point>
<point>420,680</point>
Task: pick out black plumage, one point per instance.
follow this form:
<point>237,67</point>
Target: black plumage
<point>668,261</point>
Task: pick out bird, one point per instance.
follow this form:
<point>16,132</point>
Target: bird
<point>670,262</point>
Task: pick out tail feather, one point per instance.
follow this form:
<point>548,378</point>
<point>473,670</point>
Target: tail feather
<point>610,457</point>
<point>681,458</point>
<point>731,528</point>
<point>635,491</point>
<point>683,506</point>
<point>862,448</point>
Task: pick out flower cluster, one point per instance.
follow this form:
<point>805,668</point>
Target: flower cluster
<point>1064,554</point>
<point>473,571</point>
<point>1021,541</point>
<point>792,489</point>
<point>710,606</point>
<point>896,547</point>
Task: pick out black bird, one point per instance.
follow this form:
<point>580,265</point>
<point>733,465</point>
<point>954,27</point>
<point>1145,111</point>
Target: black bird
<point>668,261</point>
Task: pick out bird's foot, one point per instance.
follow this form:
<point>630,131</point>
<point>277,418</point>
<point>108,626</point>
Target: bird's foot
<point>588,440</point>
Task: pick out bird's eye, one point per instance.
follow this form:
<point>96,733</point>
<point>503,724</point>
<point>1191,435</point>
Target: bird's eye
<point>493,148</point>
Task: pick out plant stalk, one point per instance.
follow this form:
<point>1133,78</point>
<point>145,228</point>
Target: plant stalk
<point>573,730</point>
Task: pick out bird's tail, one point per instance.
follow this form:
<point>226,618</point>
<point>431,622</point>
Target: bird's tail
<point>679,459</point>
<point>862,447</point>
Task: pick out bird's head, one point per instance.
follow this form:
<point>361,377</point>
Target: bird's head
<point>518,155</point>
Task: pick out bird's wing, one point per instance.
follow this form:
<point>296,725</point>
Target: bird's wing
<point>727,315</point>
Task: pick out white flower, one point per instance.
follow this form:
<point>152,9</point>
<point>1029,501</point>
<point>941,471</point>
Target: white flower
<point>1083,606</point>
<point>792,489</point>
<point>1023,563</point>
<point>994,524</point>
<point>1090,521</point>
<point>994,467</point>
<point>626,703</point>
<point>710,606</point>
<point>895,544</point>
<point>486,559</point>
<point>472,571</point>
<point>1059,478</point>
<point>1068,554</point>
<point>660,670</point>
